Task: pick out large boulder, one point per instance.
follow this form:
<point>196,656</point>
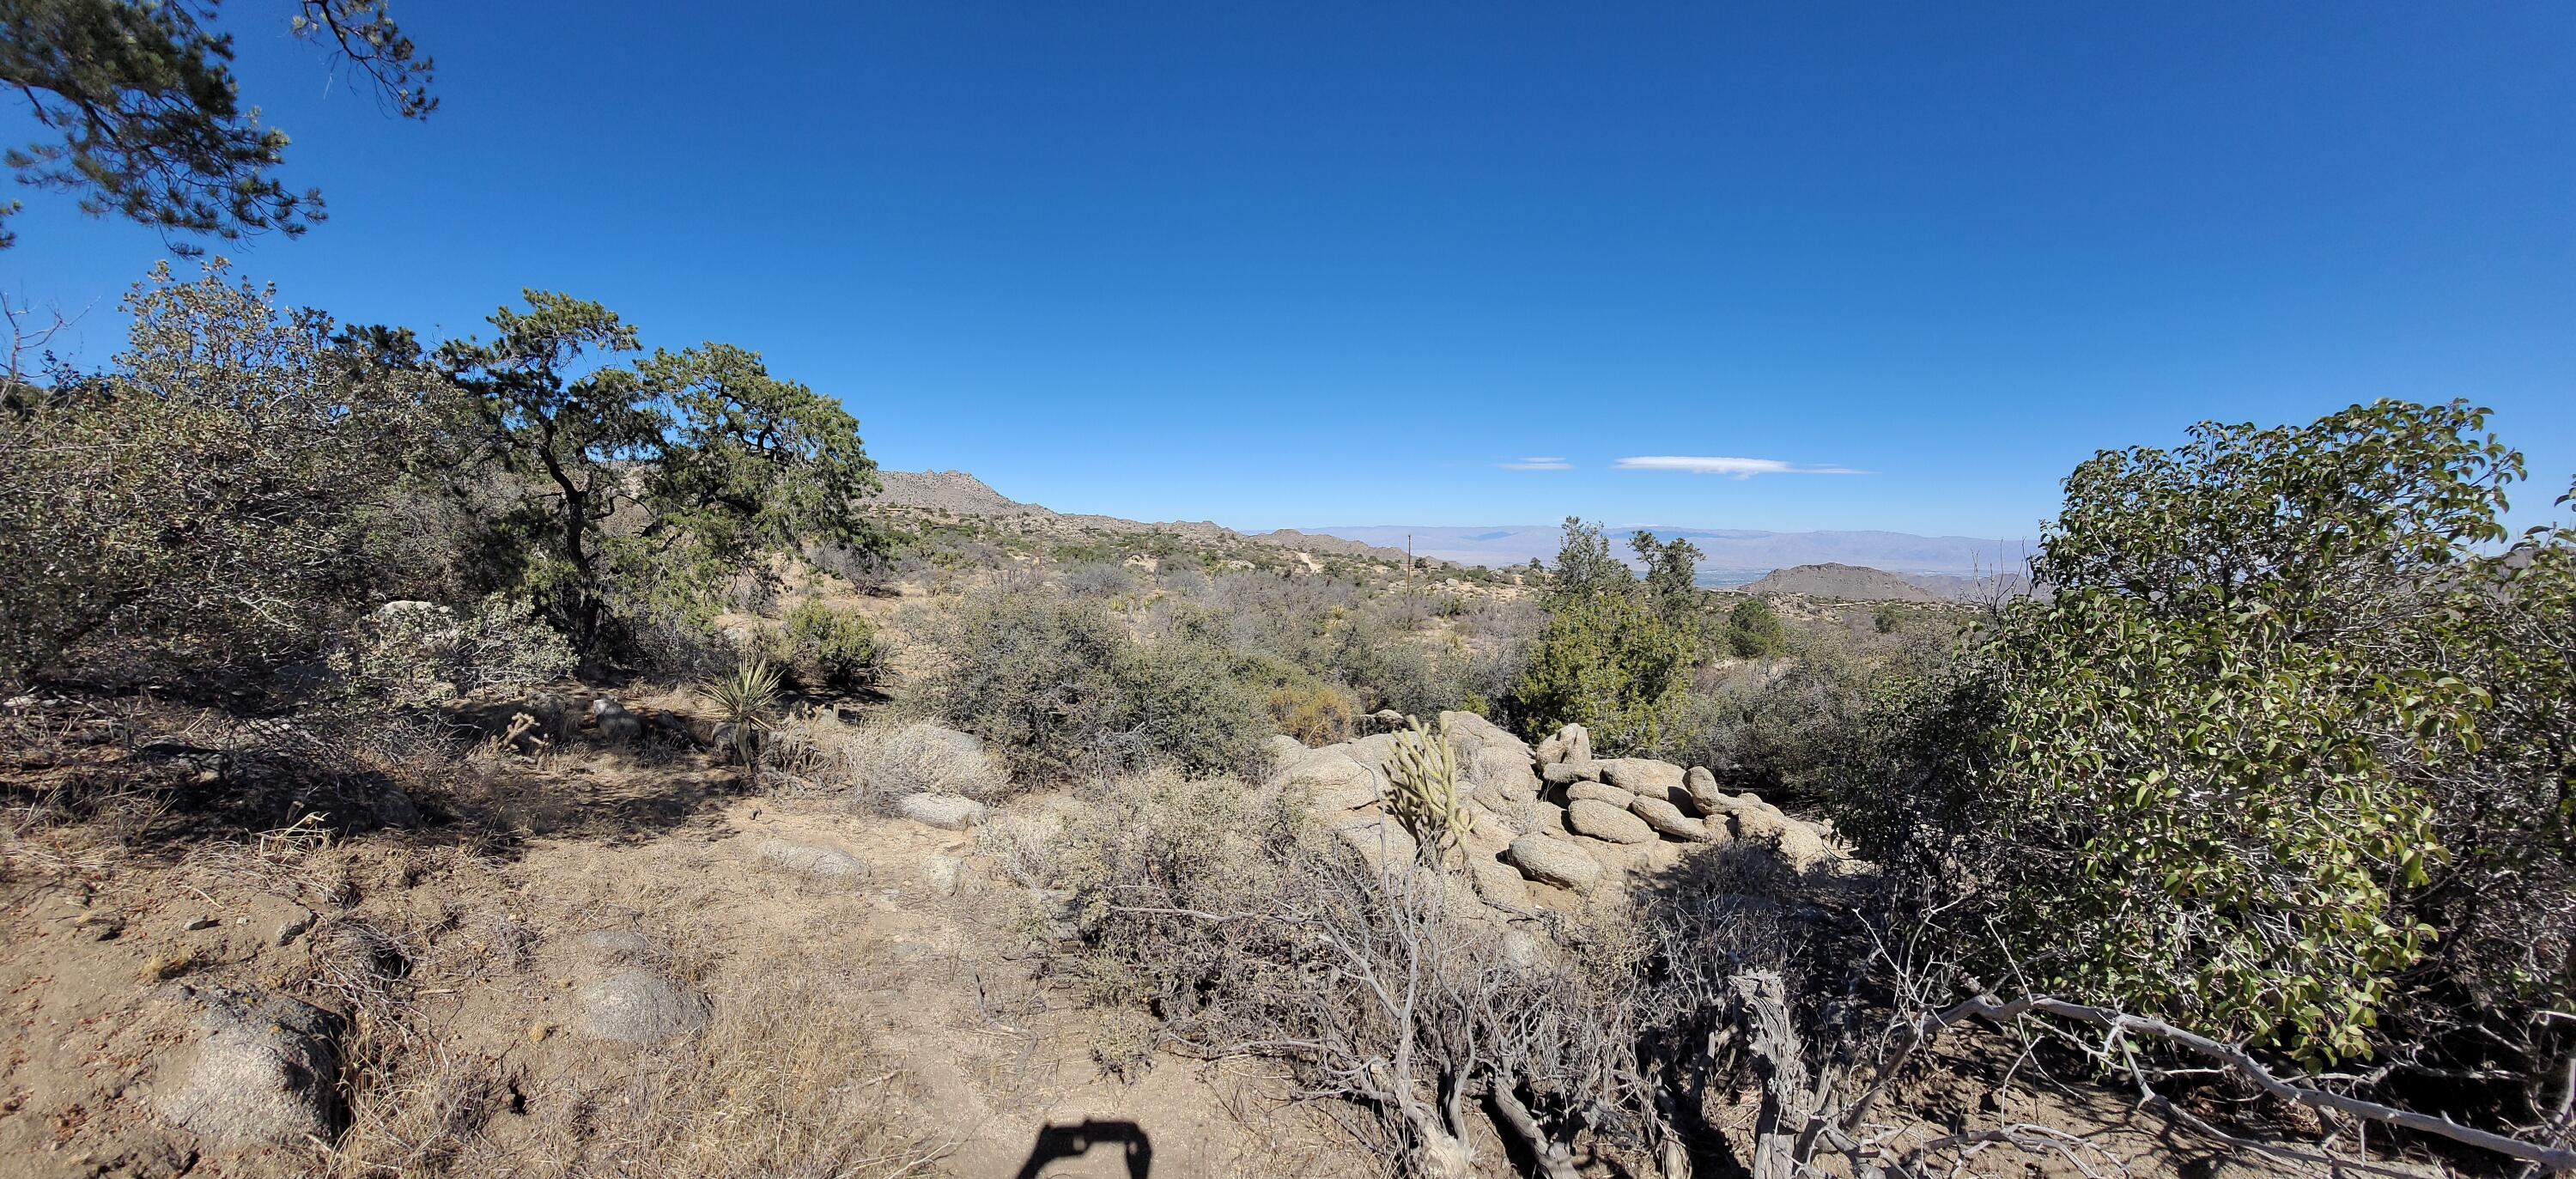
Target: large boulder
<point>1618,857</point>
<point>1566,773</point>
<point>1506,770</point>
<point>637,1006</point>
<point>262,1072</point>
<point>1373,751</point>
<point>1497,884</point>
<point>954,812</point>
<point>1487,829</point>
<point>1798,843</point>
<point>1380,840</point>
<point>1509,818</point>
<point>1521,817</point>
<point>1571,743</point>
<point>1284,751</point>
<point>1333,782</point>
<point>1701,786</point>
<point>1668,820</point>
<point>1642,775</point>
<point>1471,733</point>
<point>1553,861</point>
<point>1596,792</point>
<point>1603,821</point>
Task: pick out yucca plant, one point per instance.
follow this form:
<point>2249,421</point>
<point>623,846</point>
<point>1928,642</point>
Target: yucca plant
<point>1422,789</point>
<point>747,702</point>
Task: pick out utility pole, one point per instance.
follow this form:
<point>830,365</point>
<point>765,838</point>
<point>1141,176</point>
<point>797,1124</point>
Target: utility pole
<point>1408,562</point>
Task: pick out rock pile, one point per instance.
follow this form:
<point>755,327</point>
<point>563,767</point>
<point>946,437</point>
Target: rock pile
<point>1554,817</point>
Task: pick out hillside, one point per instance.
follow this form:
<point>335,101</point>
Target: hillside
<point>1849,583</point>
<point>947,491</point>
<point>1728,556</point>
<point>960,496</point>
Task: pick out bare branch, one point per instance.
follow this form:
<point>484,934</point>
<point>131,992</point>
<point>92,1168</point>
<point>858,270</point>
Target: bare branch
<point>2238,1062</point>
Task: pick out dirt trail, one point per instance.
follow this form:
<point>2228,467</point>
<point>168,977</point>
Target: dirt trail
<point>985,1052</point>
<point>902,982</point>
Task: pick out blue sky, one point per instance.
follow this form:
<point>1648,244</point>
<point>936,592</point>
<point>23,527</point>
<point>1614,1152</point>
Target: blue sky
<point>1347,264</point>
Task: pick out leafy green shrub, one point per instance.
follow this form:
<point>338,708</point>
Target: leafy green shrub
<point>1780,727</point>
<point>1753,631</point>
<point>2278,726</point>
<point>221,493</point>
<point>1059,688</point>
<point>829,648</point>
<point>1613,656</point>
<point>1608,662</point>
<point>1387,669</point>
<point>1184,702</point>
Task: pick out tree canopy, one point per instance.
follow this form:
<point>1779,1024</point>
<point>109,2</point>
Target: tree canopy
<point>219,489</point>
<point>1614,653</point>
<point>630,489</point>
<point>2285,757</point>
<point>144,119</point>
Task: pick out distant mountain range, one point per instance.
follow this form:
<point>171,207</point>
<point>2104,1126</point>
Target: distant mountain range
<point>957,493</point>
<point>1852,566</point>
<point>1730,556</point>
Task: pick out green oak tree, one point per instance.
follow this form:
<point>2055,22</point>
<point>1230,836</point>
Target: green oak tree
<point>616,491</point>
<point>222,490</point>
<point>2285,756</point>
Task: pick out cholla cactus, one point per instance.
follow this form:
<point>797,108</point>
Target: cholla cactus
<point>1422,789</point>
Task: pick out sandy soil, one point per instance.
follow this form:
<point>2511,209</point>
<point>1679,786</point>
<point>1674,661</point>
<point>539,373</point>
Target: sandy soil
<point>909,974</point>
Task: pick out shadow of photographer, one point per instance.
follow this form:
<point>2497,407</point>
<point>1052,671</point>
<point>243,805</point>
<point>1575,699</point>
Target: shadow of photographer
<point>1064,1142</point>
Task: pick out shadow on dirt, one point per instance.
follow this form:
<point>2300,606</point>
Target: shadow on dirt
<point>1056,1143</point>
<point>164,776</point>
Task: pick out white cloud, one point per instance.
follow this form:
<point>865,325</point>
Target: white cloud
<point>1740,468</point>
<point>1537,464</point>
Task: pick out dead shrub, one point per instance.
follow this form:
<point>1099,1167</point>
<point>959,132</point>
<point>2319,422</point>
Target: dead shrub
<point>1249,931</point>
<point>880,764</point>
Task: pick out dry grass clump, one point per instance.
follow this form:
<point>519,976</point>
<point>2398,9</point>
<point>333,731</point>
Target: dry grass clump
<point>783,1081</point>
<point>879,764</point>
<point>780,1084</point>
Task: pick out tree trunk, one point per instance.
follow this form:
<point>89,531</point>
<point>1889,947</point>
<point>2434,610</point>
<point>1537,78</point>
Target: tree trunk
<point>1555,1159</point>
<point>1788,1099</point>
